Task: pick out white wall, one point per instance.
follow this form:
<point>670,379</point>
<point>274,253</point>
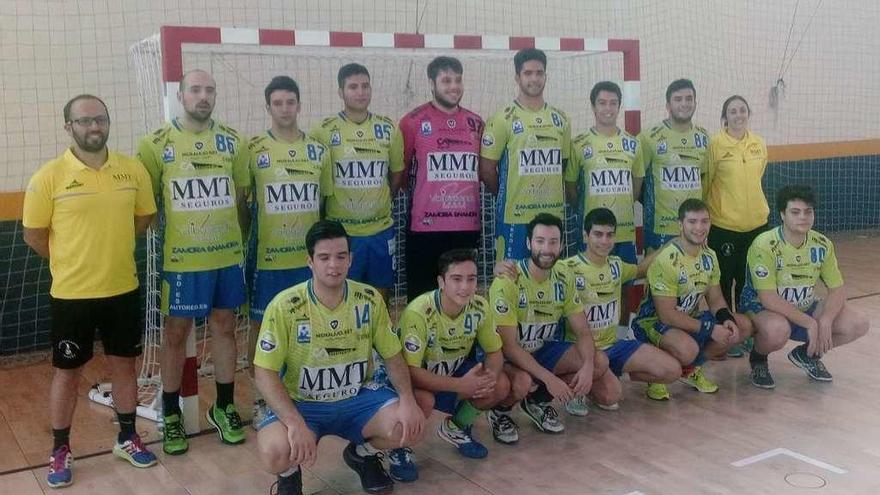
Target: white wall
<point>53,50</point>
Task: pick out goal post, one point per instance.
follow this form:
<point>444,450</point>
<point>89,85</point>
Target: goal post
<point>244,60</point>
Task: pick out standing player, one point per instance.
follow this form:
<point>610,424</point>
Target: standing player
<point>527,313</point>
<point>313,361</point>
<point>359,142</point>
<point>683,275</point>
<point>605,161</point>
<point>82,211</point>
<point>673,155</point>
<point>286,169</point>
<point>439,331</point>
<point>439,144</point>
<point>784,266</point>
<point>525,150</point>
<point>598,278</point>
<point>199,168</point>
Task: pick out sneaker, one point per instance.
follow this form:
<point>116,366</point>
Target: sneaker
<point>228,424</point>
<point>135,452</point>
<point>261,409</point>
<point>504,428</point>
<point>657,391</point>
<point>369,468</point>
<point>761,376</point>
<point>814,367</point>
<point>60,468</point>
<point>607,407</point>
<point>462,439</point>
<point>544,416</point>
<point>174,440</point>
<point>577,406</point>
<point>698,380</point>
<point>288,485</point>
<point>401,465</point>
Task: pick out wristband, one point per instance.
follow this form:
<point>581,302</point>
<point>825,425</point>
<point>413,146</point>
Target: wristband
<point>707,324</point>
<point>723,315</point>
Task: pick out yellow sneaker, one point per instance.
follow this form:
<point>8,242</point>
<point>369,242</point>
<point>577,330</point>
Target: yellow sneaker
<point>698,380</point>
<point>657,391</point>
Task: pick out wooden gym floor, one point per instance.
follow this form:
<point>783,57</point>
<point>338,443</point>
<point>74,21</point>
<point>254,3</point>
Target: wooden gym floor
<point>815,438</point>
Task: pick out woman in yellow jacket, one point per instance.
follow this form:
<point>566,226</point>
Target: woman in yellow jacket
<point>732,189</point>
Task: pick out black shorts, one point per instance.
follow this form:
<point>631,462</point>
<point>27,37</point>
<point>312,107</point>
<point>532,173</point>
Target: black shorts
<point>74,322</point>
<point>422,251</point>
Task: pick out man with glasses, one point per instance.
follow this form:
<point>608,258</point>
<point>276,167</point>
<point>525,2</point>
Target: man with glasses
<point>82,211</point>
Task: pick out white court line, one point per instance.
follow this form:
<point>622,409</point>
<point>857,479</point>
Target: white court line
<point>781,451</point>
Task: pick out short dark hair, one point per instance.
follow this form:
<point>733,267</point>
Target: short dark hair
<point>323,230</point>
<point>547,219</point>
<point>444,63</point>
<point>599,216</point>
<point>527,54</point>
<point>678,85</point>
<point>77,98</point>
<point>453,256</point>
<point>281,83</point>
<point>349,70</point>
<point>605,86</point>
<point>689,205</point>
<point>794,192</point>
<point>727,103</point>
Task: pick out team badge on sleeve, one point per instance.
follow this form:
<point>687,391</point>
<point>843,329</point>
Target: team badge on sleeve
<point>412,343</point>
<point>761,271</point>
<point>488,141</point>
<point>501,306</point>
<point>267,343</point>
<point>263,160</point>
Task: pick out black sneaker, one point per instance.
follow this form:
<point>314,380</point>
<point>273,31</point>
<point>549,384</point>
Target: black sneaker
<point>812,366</point>
<point>504,428</point>
<point>761,376</point>
<point>288,485</point>
<point>544,416</point>
<point>369,468</point>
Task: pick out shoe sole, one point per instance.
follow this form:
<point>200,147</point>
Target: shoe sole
<point>765,387</point>
<point>220,431</point>
<point>59,485</point>
<point>682,380</point>
<point>126,457</point>
<point>375,491</point>
<point>797,363</point>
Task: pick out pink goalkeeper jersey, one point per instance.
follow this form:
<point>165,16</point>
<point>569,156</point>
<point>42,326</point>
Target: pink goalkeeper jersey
<point>441,153</point>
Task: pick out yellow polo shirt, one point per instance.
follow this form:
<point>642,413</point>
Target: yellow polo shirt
<point>90,216</point>
<point>732,186</point>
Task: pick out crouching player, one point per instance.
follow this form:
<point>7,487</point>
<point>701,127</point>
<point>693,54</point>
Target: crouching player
<point>683,275</point>
<point>312,359</point>
<point>449,373</point>
<point>784,266</point>
<point>598,278</point>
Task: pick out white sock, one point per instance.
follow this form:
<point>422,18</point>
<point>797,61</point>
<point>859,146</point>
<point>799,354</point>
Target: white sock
<point>289,472</point>
<point>366,449</point>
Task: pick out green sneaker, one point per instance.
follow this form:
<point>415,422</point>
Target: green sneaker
<point>657,391</point>
<point>174,440</point>
<point>698,380</point>
<point>228,424</point>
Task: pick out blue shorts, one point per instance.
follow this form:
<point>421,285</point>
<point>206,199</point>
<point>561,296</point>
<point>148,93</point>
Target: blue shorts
<point>798,332</point>
<point>549,355</point>
<point>195,294</point>
<point>654,240</point>
<point>373,259</point>
<point>619,353</point>
<point>344,418</point>
<point>446,401</point>
<point>654,334</point>
<point>266,284</point>
<point>626,251</point>
<point>510,241</point>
